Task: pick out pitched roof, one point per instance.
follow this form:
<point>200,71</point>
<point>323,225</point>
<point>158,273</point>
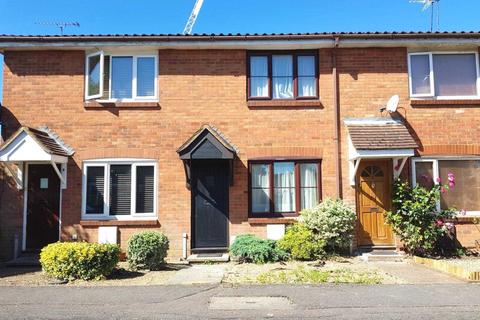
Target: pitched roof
<point>215,132</point>
<point>46,139</point>
<point>379,134</point>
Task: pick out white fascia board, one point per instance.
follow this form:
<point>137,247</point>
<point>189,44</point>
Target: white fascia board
<point>452,42</point>
<point>381,153</point>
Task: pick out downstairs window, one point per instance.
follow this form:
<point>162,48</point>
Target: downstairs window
<point>117,189</point>
<point>284,187</point>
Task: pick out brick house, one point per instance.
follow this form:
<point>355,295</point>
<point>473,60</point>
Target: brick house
<point>206,137</point>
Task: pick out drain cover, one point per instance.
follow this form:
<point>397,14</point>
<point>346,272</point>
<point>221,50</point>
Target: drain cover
<point>250,303</point>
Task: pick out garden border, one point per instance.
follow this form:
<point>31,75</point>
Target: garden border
<point>444,266</point>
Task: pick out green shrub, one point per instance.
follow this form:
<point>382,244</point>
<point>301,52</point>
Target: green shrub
<point>331,221</point>
<point>301,243</point>
<point>147,250</point>
<point>249,248</point>
<point>79,260</point>
<point>416,219</point>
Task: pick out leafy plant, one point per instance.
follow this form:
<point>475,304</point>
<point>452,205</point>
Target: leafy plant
<point>147,250</point>
<point>332,221</point>
<point>416,219</point>
<point>249,248</point>
<point>79,260</point>
<point>301,243</point>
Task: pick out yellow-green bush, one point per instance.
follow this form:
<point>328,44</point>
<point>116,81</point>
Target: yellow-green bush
<point>79,260</point>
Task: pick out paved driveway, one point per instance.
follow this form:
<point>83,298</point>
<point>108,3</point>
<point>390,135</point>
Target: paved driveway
<point>446,301</point>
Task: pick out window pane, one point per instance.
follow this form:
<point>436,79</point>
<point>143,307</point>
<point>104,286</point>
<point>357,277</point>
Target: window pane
<point>424,174</point>
<point>146,77</point>
<point>282,77</point>
<point>145,189</point>
<point>260,188</point>
<point>121,77</point>
<point>259,66</point>
<point>420,72</point>
<point>284,186</point>
<point>455,74</point>
<point>308,198</point>
<point>120,189</point>
<point>106,78</point>
<point>95,190</point>
<point>306,66</point>
<point>93,75</point>
<point>307,87</point>
<point>466,193</point>
<point>308,175</point>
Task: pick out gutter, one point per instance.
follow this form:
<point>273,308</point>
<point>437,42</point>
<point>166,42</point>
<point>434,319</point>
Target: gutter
<point>336,120</point>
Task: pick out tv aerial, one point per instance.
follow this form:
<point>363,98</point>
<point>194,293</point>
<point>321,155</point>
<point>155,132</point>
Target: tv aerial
<point>59,24</point>
<point>432,4</point>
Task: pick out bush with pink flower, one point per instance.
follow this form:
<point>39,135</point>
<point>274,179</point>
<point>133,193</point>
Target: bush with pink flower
<point>417,220</point>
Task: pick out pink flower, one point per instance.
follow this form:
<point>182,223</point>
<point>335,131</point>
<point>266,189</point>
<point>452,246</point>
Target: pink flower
<point>451,177</point>
<point>439,180</point>
<point>451,184</point>
<point>449,226</point>
<point>443,190</point>
<point>463,212</point>
<point>439,223</point>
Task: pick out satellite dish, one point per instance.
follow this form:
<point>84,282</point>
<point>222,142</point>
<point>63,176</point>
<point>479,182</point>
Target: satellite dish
<point>392,103</point>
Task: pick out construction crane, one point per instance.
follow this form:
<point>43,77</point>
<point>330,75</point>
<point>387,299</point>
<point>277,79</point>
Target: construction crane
<point>193,17</point>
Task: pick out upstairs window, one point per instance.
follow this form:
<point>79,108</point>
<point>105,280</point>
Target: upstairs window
<point>116,189</point>
<point>282,75</point>
<point>444,75</point>
<point>121,77</point>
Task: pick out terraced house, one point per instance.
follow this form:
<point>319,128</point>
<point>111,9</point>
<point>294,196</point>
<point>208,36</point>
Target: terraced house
<point>206,137</point>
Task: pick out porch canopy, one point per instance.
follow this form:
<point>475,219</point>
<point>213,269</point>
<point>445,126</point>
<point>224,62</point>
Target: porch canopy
<point>378,137</point>
<point>208,143</point>
<point>34,145</point>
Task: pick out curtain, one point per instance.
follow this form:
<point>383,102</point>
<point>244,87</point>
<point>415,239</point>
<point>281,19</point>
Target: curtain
<point>466,192</point>
<point>306,76</point>
<point>455,74</point>
<point>420,73</point>
<point>284,186</point>
<point>146,77</point>
<point>308,181</point>
<point>282,77</point>
<point>424,174</point>
<point>260,188</point>
<point>259,76</point>
<point>122,77</point>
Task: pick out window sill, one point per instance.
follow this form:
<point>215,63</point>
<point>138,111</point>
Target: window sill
<point>285,103</point>
<point>98,223</point>
<point>118,104</point>
<point>444,102</point>
<point>273,220</point>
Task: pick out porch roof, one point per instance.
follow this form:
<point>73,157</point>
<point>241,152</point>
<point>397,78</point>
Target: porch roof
<point>29,144</point>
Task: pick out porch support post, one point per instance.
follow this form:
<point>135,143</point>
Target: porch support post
<point>17,176</point>
<point>398,167</point>
<point>354,163</point>
<point>59,174</point>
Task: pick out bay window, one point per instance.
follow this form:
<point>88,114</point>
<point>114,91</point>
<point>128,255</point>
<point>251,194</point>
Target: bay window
<point>113,77</point>
<point>283,187</point>
<point>466,192</point>
<point>119,189</point>
<point>444,75</point>
<point>291,75</point>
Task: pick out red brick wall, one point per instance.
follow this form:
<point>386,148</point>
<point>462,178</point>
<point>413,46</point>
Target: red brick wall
<point>198,87</point>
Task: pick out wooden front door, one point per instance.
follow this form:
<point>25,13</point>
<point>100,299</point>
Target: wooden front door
<point>373,200</point>
<point>210,189</point>
<point>43,206</point>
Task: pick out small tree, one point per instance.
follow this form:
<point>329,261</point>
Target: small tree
<point>415,217</point>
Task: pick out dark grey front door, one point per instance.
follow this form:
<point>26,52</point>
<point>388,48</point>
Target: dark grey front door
<point>210,204</point>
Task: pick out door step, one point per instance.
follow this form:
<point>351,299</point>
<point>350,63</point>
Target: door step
<point>25,260</point>
<point>387,255</point>
<point>208,257</point>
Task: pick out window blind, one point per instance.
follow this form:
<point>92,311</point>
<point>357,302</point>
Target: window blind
<point>145,189</point>
<point>122,73</point>
<point>120,189</point>
<point>95,190</point>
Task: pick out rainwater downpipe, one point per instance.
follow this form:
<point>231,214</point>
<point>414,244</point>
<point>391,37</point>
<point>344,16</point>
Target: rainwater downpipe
<point>336,120</point>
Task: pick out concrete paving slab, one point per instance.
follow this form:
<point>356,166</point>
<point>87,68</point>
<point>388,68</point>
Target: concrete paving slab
<point>412,273</point>
<point>199,274</point>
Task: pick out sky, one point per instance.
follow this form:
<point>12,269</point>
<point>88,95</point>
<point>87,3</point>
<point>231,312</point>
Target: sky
<point>235,16</point>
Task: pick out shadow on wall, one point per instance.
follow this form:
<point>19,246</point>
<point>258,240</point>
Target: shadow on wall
<point>239,209</point>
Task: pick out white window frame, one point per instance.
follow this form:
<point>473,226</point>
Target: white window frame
<point>432,93</point>
<point>106,163</point>
<point>135,97</point>
<point>87,76</point>
<point>434,161</point>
